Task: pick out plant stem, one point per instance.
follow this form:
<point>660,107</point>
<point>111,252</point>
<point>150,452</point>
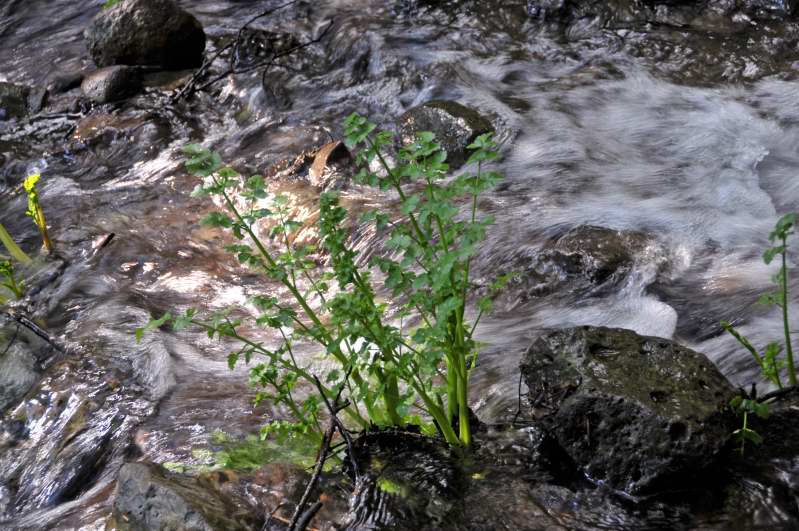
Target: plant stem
<point>8,242</point>
<point>788,348</point>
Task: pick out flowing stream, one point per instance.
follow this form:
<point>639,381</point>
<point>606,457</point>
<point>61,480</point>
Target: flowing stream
<point>604,127</point>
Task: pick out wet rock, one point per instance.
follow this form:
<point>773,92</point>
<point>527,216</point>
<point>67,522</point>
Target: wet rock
<point>19,370</point>
<point>406,479</point>
<point>65,82</point>
<point>149,498</point>
<point>13,100</point>
<point>637,413</point>
<point>546,8</point>
<point>455,126</point>
<point>146,32</point>
<point>585,259</point>
<point>598,253</point>
<point>18,101</point>
<point>778,7</point>
<point>111,84</point>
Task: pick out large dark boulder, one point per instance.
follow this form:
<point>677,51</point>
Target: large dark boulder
<point>640,414</point>
<point>455,126</point>
<point>148,498</point>
<point>146,32</point>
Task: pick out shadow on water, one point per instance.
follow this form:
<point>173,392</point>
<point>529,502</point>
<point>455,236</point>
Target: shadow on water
<point>597,129</point>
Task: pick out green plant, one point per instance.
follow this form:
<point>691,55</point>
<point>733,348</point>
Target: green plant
<point>771,365</point>
<point>8,279</point>
<point>748,406</point>
<point>110,3</point>
<point>386,370</point>
<point>35,209</point>
<point>769,362</point>
<point>11,246</point>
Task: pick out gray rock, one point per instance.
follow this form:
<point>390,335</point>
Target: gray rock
<point>18,101</point>
<point>148,498</point>
<point>640,414</point>
<point>455,126</point>
<point>19,370</point>
<point>146,32</point>
<point>111,84</point>
<point>65,82</point>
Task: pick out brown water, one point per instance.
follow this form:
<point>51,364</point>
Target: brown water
<point>602,124</point>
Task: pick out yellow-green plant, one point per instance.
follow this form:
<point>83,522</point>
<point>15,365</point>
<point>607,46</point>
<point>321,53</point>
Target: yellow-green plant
<point>35,209</point>
<point>8,280</point>
<point>11,246</point>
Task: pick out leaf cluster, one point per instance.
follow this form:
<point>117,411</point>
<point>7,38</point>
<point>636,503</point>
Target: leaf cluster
<point>388,372</point>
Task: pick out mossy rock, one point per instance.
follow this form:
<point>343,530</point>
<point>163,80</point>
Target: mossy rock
<point>641,414</point>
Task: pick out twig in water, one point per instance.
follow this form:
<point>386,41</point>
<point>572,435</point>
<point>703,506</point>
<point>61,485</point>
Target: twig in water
<point>268,521</point>
<point>191,86</point>
<point>320,462</point>
<point>33,327</point>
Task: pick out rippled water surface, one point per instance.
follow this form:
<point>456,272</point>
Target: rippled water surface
<point>596,130</point>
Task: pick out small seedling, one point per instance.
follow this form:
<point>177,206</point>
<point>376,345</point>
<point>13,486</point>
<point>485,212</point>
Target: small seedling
<point>35,209</point>
<point>770,363</point>
<point>747,406</point>
<point>8,279</point>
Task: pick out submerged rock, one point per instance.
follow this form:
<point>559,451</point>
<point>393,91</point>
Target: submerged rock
<point>637,413</point>
<point>111,84</point>
<point>587,259</point>
<point>146,32</point>
<point>455,126</point>
<point>597,253</point>
<point>148,498</point>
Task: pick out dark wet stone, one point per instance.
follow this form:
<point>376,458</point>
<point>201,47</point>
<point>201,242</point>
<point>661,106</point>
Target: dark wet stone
<point>150,498</point>
<point>65,82</point>
<point>406,480</point>
<point>640,414</point>
<point>13,100</point>
<point>146,32</point>
<point>597,253</point>
<point>111,84</point>
<point>19,370</point>
<point>74,464</point>
<point>455,126</point>
<point>586,259</point>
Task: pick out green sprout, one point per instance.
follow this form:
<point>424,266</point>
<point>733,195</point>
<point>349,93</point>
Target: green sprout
<point>748,406</point>
<point>35,209</point>
<point>8,279</point>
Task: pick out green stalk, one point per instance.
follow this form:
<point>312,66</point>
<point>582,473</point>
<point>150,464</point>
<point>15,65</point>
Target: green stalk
<point>788,348</point>
<point>8,242</point>
<point>743,433</point>
<point>463,405</point>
